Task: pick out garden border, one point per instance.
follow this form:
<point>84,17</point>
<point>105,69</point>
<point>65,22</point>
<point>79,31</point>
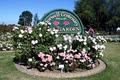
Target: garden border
<point>96,70</point>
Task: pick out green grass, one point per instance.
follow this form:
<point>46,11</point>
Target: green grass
<point>111,57</point>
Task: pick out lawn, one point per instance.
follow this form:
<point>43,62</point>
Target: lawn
<point>111,57</point>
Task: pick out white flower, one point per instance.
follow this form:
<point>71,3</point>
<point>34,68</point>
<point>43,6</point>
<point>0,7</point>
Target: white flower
<point>85,39</point>
<point>39,28</point>
<point>56,35</point>
<point>78,33</point>
<point>56,31</point>
<point>57,57</point>
<point>68,51</point>
<point>95,47</point>
<point>40,35</point>
<point>25,31</point>
<point>15,28</point>
<point>52,32</point>
<point>30,59</point>
<point>84,43</point>
<point>65,47</point>
<point>34,42</point>
<point>84,49</point>
<point>48,30</point>
<point>20,36</point>
<point>43,68</point>
<point>51,49</point>
<point>22,31</point>
<point>77,38</point>
<point>102,47</point>
<point>41,64</point>
<point>4,49</point>
<point>54,48</point>
<point>87,32</point>
<point>29,31</point>
<point>65,37</point>
<point>70,41</point>
<point>101,54</point>
<point>66,61</point>
<point>42,23</point>
<point>59,45</point>
<point>49,23</point>
<point>1,45</point>
<point>96,56</point>
<point>11,48</point>
<point>80,40</point>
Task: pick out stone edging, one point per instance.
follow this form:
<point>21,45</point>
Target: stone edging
<point>96,70</point>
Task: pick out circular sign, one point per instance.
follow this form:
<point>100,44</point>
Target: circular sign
<point>65,20</point>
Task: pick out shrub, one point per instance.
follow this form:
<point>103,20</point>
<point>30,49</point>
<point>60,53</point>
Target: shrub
<point>45,49</point>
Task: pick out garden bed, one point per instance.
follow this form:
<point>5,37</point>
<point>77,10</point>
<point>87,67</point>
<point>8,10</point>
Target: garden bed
<point>58,74</point>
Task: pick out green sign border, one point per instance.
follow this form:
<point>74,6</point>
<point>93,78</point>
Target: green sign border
<point>72,13</point>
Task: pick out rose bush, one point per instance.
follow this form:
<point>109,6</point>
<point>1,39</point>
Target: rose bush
<point>6,42</point>
<point>44,48</point>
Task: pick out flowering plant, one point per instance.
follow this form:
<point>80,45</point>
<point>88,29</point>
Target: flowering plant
<point>6,42</point>
<point>5,46</point>
<point>44,48</point>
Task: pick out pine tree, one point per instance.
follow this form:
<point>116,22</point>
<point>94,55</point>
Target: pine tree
<point>25,18</point>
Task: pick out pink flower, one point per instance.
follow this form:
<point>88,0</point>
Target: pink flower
<point>41,55</point>
<point>90,60</point>
<point>71,64</point>
<point>52,64</point>
<point>69,57</point>
<point>74,51</point>
<point>83,60</point>
<point>56,23</point>
<point>66,23</point>
<point>45,65</point>
<point>44,60</point>
<point>28,27</point>
<point>62,54</point>
<point>83,52</point>
<point>49,58</point>
<point>89,65</point>
<point>77,56</point>
<point>93,65</point>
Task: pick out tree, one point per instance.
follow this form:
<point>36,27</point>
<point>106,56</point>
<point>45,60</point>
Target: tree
<point>90,11</point>
<point>85,12</point>
<point>100,13</point>
<point>25,18</point>
<point>36,19</point>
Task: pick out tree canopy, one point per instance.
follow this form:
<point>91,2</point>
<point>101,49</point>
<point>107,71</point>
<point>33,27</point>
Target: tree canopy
<point>25,18</point>
<point>99,13</point>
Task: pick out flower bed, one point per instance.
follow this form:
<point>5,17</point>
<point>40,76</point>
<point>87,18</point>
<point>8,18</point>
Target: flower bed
<point>44,48</point>
<point>6,42</point>
<point>5,46</point>
<point>58,74</point>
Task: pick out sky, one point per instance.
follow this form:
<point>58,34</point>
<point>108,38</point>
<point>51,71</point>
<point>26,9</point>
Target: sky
<point>10,10</point>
